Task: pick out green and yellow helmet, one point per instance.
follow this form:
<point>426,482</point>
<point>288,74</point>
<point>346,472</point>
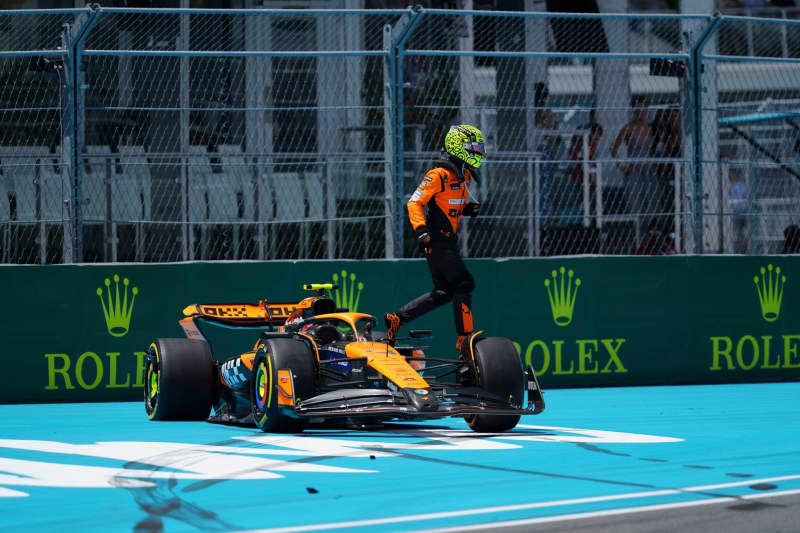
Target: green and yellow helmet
<point>466,144</point>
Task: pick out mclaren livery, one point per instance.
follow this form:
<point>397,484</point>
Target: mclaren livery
<point>313,363</point>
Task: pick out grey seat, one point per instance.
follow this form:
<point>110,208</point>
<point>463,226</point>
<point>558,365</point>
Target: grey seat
<point>231,189</point>
<point>96,169</point>
<point>199,174</point>
<point>131,189</point>
<point>314,196</point>
<point>289,197</point>
<point>19,172</point>
<point>56,191</point>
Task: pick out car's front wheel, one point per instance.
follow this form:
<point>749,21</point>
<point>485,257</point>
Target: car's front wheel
<point>272,396</point>
<point>499,371</point>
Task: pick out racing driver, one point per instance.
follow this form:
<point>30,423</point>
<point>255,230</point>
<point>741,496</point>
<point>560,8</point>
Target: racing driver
<point>444,194</point>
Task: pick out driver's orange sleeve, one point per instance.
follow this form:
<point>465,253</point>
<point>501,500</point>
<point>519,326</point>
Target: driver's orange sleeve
<point>431,184</point>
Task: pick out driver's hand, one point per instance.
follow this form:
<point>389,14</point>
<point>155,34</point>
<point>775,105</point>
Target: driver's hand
<point>423,238</point>
<point>471,209</point>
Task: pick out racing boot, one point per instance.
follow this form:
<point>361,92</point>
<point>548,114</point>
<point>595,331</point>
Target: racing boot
<point>460,343</point>
<point>464,375</point>
<point>392,326</point>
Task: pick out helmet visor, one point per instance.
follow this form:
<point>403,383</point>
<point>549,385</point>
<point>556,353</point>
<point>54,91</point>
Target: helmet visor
<point>474,147</point>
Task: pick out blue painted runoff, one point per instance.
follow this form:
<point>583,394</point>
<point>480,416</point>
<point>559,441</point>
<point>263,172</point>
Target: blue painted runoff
<point>105,467</point>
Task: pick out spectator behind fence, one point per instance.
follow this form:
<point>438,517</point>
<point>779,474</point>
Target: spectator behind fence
<point>576,151</point>
<point>791,239</point>
<point>640,180</point>
<point>737,198</point>
<point>658,241</point>
<point>573,194</point>
<point>547,147</point>
<point>666,128</point>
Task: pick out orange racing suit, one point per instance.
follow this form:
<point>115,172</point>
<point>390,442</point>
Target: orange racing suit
<point>449,195</point>
<point>444,195</point>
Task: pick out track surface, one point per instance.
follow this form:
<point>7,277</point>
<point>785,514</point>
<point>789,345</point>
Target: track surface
<point>696,458</point>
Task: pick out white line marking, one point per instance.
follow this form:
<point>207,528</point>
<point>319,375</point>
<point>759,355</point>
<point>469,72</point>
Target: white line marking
<point>610,512</point>
<point>523,506</point>
<point>10,493</point>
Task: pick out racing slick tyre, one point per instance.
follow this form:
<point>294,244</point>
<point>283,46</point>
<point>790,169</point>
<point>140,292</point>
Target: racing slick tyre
<point>271,405</point>
<point>179,380</point>
<point>499,371</point>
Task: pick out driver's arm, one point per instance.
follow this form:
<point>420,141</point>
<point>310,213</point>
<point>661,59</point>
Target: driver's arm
<point>430,185</point>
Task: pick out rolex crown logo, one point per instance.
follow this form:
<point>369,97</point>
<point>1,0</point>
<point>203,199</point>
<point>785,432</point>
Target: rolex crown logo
<point>770,292</point>
<point>562,296</point>
<point>117,311</point>
<point>345,295</point>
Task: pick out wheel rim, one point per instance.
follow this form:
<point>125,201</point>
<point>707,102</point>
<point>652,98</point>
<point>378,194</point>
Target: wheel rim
<point>261,386</point>
<point>153,385</point>
<point>151,390</point>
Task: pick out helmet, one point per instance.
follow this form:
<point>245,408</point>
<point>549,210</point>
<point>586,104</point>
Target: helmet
<point>465,143</point>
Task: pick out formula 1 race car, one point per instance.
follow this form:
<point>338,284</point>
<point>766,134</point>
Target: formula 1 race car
<point>313,362</point>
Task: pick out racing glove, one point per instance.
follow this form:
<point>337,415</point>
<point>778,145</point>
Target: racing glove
<point>423,238</point>
<point>471,209</point>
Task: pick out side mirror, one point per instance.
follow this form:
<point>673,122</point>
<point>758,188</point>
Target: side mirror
<point>420,333</point>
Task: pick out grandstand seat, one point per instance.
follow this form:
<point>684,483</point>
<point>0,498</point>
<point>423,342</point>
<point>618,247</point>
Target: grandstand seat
<point>289,197</point>
<point>96,169</point>
<point>774,215</point>
<point>55,186</point>
<point>131,187</point>
<point>266,197</point>
<point>5,208</point>
<point>314,194</point>
<point>230,189</point>
<point>19,172</point>
<point>199,174</point>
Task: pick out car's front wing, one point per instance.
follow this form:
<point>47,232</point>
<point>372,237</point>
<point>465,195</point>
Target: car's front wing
<point>432,402</point>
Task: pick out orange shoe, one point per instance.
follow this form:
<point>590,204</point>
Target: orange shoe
<point>392,326</point>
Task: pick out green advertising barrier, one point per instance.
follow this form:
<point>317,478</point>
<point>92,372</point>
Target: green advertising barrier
<point>80,332</point>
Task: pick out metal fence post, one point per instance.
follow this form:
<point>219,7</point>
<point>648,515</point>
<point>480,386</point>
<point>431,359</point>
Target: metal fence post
<point>76,79</point>
<point>388,139</point>
<point>415,16</point>
<point>696,109</point>
<point>67,164</point>
<point>187,235</point>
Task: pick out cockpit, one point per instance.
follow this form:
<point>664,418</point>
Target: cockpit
<point>326,330</point>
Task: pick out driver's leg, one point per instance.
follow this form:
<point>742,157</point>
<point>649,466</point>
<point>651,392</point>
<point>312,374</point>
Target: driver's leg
<point>461,284</point>
<point>440,295</point>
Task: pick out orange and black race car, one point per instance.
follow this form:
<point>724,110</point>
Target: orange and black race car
<point>314,362</point>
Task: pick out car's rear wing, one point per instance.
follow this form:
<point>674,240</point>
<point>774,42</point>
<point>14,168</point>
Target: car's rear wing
<point>243,314</point>
<point>263,314</point>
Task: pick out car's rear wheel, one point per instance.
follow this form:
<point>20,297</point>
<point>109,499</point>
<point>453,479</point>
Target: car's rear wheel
<point>179,380</point>
<point>271,405</point>
<point>499,371</point>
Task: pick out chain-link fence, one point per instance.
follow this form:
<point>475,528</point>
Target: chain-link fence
<point>750,137</point>
<point>35,187</point>
<point>169,135</point>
